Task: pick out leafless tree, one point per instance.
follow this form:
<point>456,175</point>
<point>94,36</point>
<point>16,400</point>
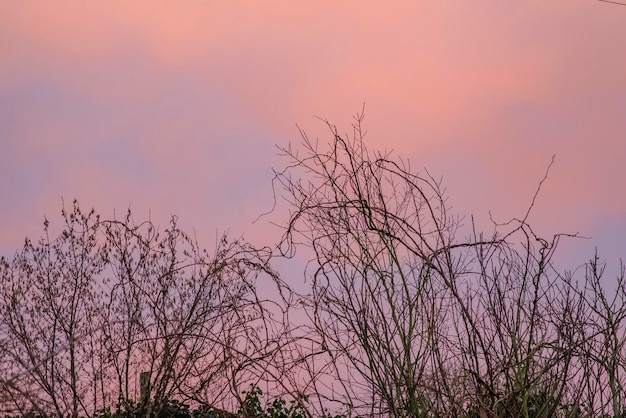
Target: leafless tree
<point>410,310</point>
<point>85,313</point>
<point>193,320</point>
<point>417,314</point>
<point>48,307</point>
<point>384,255</point>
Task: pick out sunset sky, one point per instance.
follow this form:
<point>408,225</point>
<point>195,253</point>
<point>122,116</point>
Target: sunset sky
<point>176,107</point>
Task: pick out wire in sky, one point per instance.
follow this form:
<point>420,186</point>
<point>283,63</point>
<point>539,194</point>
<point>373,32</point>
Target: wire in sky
<point>614,2</point>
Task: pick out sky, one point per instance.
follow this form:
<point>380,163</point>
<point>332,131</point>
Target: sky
<point>177,107</point>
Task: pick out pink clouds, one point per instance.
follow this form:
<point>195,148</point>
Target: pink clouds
<point>189,98</point>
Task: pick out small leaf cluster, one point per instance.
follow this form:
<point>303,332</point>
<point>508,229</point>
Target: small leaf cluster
<point>278,408</point>
<point>251,407</point>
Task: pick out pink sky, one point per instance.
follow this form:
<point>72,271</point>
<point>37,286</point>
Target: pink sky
<point>176,107</point>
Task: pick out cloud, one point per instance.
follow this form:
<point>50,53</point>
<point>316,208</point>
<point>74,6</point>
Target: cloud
<point>177,106</point>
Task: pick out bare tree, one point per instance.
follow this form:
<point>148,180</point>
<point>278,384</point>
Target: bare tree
<point>48,306</point>
<point>601,353</point>
<point>85,313</point>
<point>384,251</point>
<point>193,320</point>
<point>410,312</point>
<point>413,320</point>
